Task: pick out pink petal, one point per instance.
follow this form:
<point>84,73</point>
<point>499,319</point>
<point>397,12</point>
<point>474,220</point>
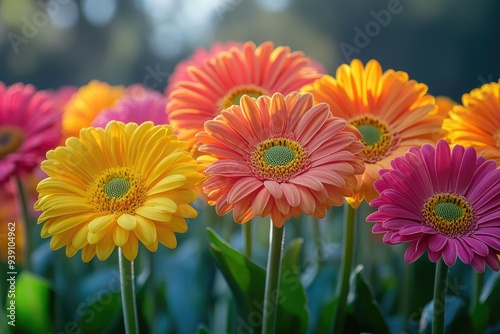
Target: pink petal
<point>493,261</point>
<point>415,250</point>
<point>243,188</point>
<point>260,201</point>
<point>478,264</point>
<point>433,256</point>
<point>377,228</point>
<point>465,253</point>
<point>450,253</point>
<point>307,181</point>
<point>291,193</point>
<point>311,122</point>
<point>274,188</point>
<point>477,246</point>
<point>396,211</point>
<point>437,242</point>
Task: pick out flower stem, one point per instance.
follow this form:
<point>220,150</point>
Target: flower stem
<point>318,242</point>
<point>271,292</point>
<point>439,300</point>
<point>345,266</point>
<point>247,239</point>
<point>27,222</point>
<point>477,286</point>
<point>128,294</point>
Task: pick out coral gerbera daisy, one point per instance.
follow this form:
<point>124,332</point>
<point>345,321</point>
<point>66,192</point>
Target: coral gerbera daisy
<point>220,81</point>
<point>117,186</point>
<point>86,104</point>
<point>279,156</point>
<point>444,201</point>
<point>477,121</point>
<point>391,112</point>
<point>137,108</point>
<point>30,125</point>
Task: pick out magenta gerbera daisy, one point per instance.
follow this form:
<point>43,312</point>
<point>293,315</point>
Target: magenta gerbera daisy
<point>279,156</point>
<point>140,107</point>
<point>444,201</point>
<point>29,126</point>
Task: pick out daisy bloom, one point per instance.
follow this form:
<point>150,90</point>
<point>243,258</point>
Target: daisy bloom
<point>279,156</point>
<point>444,201</point>
<point>391,112</point>
<point>137,108</point>
<point>477,121</point>
<point>117,186</point>
<point>220,81</point>
<point>86,104</point>
<point>30,125</point>
<point>445,104</point>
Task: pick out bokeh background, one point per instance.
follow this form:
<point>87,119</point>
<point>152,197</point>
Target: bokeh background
<point>451,45</point>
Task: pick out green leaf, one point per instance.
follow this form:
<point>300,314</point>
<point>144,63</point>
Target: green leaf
<point>30,301</point>
<point>202,329</point>
<point>326,317</point>
<point>456,317</point>
<point>247,283</point>
<point>4,326</point>
<point>362,306</point>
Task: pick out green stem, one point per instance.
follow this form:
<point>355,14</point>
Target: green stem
<point>271,293</point>
<point>318,241</point>
<point>477,287</point>
<point>345,267</point>
<point>407,293</point>
<point>439,299</point>
<point>25,215</point>
<point>128,294</point>
<point>247,239</point>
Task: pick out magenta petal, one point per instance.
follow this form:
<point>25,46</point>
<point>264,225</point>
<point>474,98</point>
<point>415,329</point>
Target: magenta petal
<point>450,253</point>
<point>478,264</point>
<point>467,169</point>
<point>377,228</point>
<point>490,240</point>
<point>437,242</point>
<point>477,246</point>
<point>409,230</point>
<point>415,250</point>
<point>377,216</point>
<point>493,261</point>
<point>465,253</point>
<point>433,256</point>
<point>397,224</point>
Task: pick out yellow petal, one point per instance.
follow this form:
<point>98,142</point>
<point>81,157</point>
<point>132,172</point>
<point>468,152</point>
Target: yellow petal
<point>120,236</point>
<point>153,247</point>
<point>166,237</point>
<point>161,204</point>
<point>88,252</point>
<point>145,231</point>
<point>71,250</point>
<point>100,223</point>
<point>80,237</point>
<point>187,211</point>
<point>105,247</point>
<point>130,249</point>
<point>168,183</point>
<point>153,214</point>
<point>178,224</point>
<point>127,221</point>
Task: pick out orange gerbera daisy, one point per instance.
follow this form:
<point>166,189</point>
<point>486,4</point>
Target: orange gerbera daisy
<point>220,81</point>
<point>445,104</point>
<point>86,104</point>
<point>477,121</point>
<point>391,112</point>
<point>279,156</point>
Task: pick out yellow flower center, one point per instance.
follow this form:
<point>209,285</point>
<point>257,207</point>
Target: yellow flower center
<point>234,95</point>
<point>117,190</point>
<point>449,214</point>
<point>278,159</point>
<point>11,138</point>
<point>496,137</point>
<point>377,137</point>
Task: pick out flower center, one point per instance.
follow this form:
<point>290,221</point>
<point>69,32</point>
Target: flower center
<point>234,95</point>
<point>378,139</point>
<point>496,137</point>
<point>117,187</point>
<point>278,159</point>
<point>449,214</point>
<point>11,138</point>
<point>117,190</point>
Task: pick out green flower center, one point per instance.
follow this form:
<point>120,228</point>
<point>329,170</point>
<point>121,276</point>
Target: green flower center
<point>234,95</point>
<point>11,139</point>
<point>371,134</point>
<point>448,211</point>
<point>278,159</point>
<point>117,187</point>
<point>279,155</point>
<point>449,214</point>
<point>379,140</point>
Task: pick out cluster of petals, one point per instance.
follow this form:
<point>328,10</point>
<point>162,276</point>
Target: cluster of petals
<point>428,173</point>
<point>320,172</point>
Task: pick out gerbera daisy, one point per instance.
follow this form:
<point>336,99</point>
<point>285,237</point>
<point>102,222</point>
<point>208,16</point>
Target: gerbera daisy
<point>278,156</point>
<point>391,112</point>
<point>477,121</point>
<point>30,125</point>
<point>220,81</point>
<point>137,108</point>
<point>117,186</point>
<point>445,104</point>
<point>444,201</point>
<point>86,104</point>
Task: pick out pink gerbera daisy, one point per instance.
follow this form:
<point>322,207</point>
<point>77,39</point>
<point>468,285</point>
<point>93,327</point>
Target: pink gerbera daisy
<point>29,126</point>
<point>139,107</point>
<point>444,201</point>
<point>279,156</point>
<point>220,81</point>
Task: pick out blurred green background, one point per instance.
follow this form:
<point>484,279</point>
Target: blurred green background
<point>451,45</point>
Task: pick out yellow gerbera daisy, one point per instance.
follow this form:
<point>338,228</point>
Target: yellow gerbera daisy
<point>86,104</point>
<point>117,186</point>
<point>392,113</point>
<point>477,121</point>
